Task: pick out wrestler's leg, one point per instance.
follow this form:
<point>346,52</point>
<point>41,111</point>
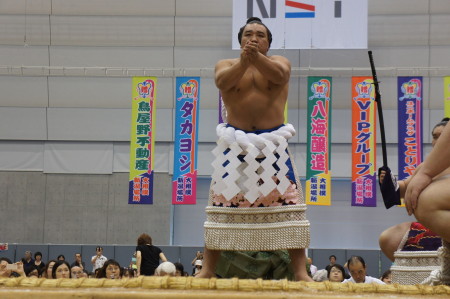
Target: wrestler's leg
<point>390,238</point>
<point>433,208</point>
<point>210,258</point>
<point>298,259</point>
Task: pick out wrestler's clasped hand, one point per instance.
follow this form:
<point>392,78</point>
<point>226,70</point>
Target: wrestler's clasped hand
<point>250,52</point>
<point>417,184</point>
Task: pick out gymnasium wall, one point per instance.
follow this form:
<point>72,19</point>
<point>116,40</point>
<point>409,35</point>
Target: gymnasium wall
<point>65,82</point>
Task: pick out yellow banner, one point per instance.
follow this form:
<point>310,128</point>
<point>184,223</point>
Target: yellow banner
<point>447,96</point>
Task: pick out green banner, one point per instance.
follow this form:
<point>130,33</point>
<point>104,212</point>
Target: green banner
<point>318,174</point>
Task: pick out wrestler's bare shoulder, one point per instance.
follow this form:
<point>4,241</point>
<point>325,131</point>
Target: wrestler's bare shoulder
<point>279,58</point>
<point>227,62</point>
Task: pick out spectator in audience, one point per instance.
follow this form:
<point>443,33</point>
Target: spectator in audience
<point>197,267</point>
<point>387,277</point>
<point>147,256</point>
<point>332,259</point>
<point>336,273</point>
<point>78,262</point>
<point>98,260</point>
<point>312,268</point>
<point>166,269</point>
<point>7,271</point>
<point>133,261</point>
<point>110,270</point>
<point>61,269</point>
<point>180,270</point>
<point>320,275</point>
<point>38,262</point>
<point>47,272</point>
<point>198,256</point>
<point>32,271</point>
<point>27,261</point>
<point>128,273</point>
<point>357,267</point>
<point>77,272</point>
<point>61,257</point>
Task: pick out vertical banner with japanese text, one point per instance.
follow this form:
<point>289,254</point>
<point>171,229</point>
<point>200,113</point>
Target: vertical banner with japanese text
<point>447,96</point>
<point>184,183</point>
<point>410,111</point>
<point>142,140</point>
<point>318,174</point>
<point>363,142</point>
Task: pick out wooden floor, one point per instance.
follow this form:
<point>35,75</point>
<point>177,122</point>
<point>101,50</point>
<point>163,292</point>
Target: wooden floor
<point>188,287</point>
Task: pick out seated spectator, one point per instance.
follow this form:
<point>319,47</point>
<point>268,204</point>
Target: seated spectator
<point>77,272</point>
<point>166,269</point>
<point>312,268</point>
<point>332,259</point>
<point>387,277</point>
<point>198,266</point>
<point>128,273</point>
<point>180,270</point>
<point>198,256</point>
<point>61,269</point>
<point>38,262</point>
<point>8,269</point>
<point>110,270</point>
<point>357,267</point>
<point>336,273</point>
<point>320,275</point>
<point>61,257</point>
<point>47,272</point>
<point>27,261</point>
<point>32,271</point>
<point>78,262</point>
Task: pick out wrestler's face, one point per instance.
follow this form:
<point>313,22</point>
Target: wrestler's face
<point>256,33</point>
<point>436,134</point>
<point>357,271</point>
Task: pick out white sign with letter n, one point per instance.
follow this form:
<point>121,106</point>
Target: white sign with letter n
<point>307,24</point>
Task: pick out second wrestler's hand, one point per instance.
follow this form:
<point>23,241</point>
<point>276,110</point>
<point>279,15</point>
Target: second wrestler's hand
<point>382,175</point>
<point>417,184</point>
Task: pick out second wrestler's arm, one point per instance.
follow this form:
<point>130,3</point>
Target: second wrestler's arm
<point>439,158</point>
<point>437,161</point>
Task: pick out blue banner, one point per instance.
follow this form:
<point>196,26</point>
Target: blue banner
<point>410,111</point>
<point>184,183</point>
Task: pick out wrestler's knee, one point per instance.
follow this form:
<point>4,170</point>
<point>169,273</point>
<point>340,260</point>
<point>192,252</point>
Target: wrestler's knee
<point>425,208</point>
<point>383,240</point>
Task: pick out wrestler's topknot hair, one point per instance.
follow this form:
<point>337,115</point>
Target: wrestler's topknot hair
<point>442,123</point>
<point>255,20</point>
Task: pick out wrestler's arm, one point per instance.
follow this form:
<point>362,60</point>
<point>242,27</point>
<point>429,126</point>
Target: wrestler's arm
<point>276,69</point>
<point>228,74</point>
<point>404,184</point>
<point>436,162</point>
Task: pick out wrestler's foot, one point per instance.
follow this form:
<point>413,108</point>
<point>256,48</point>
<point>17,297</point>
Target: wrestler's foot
<point>205,274</point>
<point>303,277</point>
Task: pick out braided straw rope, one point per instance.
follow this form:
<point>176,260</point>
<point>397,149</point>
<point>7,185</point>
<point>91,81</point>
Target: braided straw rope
<point>222,285</point>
